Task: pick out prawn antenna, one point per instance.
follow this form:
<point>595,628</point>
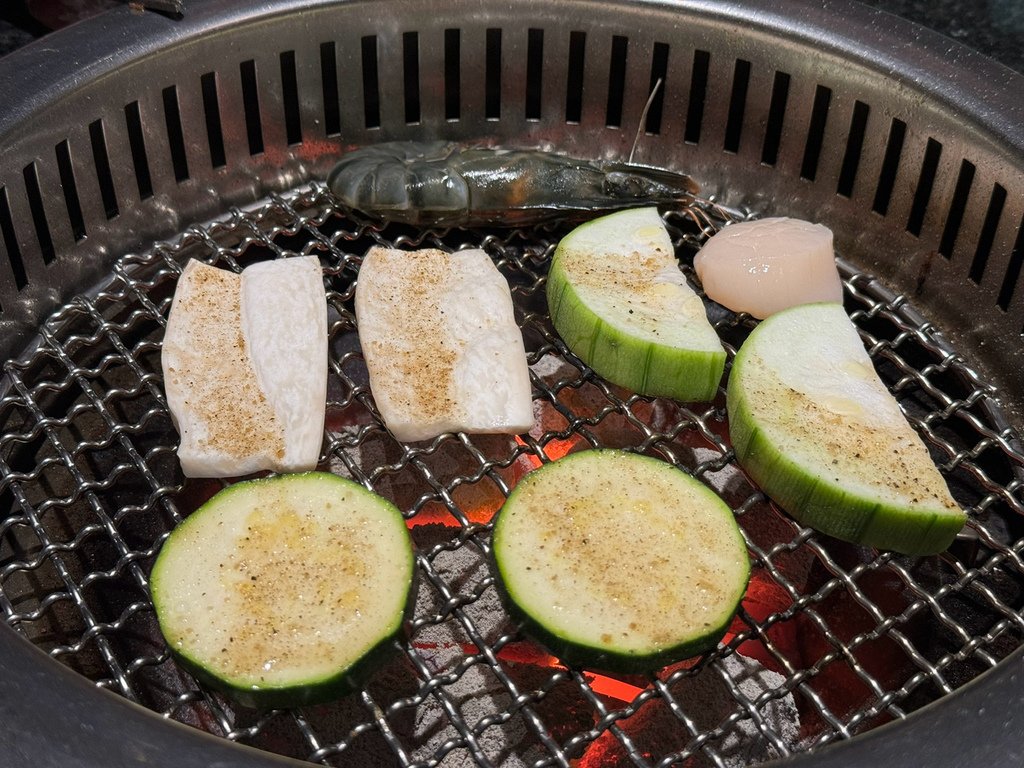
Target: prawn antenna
<point>643,118</point>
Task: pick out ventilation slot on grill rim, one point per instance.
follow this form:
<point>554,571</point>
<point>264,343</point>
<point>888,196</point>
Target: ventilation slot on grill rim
<point>776,119</point>
<point>890,167</point>
<point>534,73</point>
<point>854,148</point>
<point>35,204</point>
<point>816,132</point>
<point>411,76</point>
<point>137,144</point>
<point>175,135</point>
<point>11,242</point>
<point>452,74</point>
<point>70,189</point>
<point>101,161</point>
<point>575,67</point>
<point>988,234</point>
<point>698,95</point>
<point>290,99</point>
<point>251,106</point>
<point>616,81</point>
<point>925,183</point>
<point>492,75</point>
<point>371,82</point>
<point>957,206</point>
<point>657,85</point>
<point>331,96</point>
<point>211,114</point>
<point>1013,270</point>
<point>737,106</point>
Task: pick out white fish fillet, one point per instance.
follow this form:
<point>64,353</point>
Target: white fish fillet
<point>441,344</point>
<point>764,266</point>
<point>245,367</point>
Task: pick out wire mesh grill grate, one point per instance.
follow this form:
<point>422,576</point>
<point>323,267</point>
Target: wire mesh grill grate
<point>831,640</point>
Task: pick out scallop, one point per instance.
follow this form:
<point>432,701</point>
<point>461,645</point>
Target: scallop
<point>762,267</point>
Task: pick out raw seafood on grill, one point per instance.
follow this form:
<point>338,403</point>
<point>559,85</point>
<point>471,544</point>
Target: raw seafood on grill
<point>244,360</point>
<point>442,348</point>
<point>445,184</point>
<point>763,266</point>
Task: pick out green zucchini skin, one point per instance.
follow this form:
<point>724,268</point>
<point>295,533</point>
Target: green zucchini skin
<point>321,691</point>
<point>825,506</point>
<point>813,496</point>
<point>591,657</point>
<point>308,690</point>
<point>574,651</point>
<point>619,346</point>
<point>647,368</point>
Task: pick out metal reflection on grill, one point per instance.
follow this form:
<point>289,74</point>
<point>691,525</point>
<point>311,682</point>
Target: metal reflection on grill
<point>911,153</point>
<point>831,639</point>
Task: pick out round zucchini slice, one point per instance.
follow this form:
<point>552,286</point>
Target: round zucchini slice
<point>620,302</point>
<point>618,561</point>
<point>283,591</point>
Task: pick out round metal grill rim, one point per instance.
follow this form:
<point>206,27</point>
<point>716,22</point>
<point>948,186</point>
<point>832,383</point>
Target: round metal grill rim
<point>86,727</point>
<point>970,83</point>
<point>42,697</point>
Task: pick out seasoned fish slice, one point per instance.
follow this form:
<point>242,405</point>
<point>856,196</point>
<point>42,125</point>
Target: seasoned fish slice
<point>284,314</point>
<point>441,344</point>
<point>245,367</point>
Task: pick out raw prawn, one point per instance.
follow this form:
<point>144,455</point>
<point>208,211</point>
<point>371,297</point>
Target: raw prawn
<point>444,184</point>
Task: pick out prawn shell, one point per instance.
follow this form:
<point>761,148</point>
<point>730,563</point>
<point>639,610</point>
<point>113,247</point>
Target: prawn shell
<point>445,184</point>
<point>400,181</point>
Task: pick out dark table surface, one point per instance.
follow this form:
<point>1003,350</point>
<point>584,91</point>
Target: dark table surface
<point>993,27</point>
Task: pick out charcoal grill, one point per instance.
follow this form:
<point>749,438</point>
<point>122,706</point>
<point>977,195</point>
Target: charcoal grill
<point>135,141</point>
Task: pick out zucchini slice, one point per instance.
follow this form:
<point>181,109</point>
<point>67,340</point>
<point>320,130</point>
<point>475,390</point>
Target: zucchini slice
<point>815,427</point>
<point>618,561</point>
<point>283,591</point>
<point>620,302</point>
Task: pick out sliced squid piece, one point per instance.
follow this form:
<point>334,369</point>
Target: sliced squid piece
<point>441,344</point>
<point>245,367</point>
<point>762,267</point>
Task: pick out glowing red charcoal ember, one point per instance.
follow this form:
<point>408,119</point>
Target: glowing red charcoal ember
<point>779,641</point>
<point>707,703</point>
<point>528,652</point>
<point>433,513</point>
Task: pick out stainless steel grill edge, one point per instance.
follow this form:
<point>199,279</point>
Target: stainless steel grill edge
<point>885,140</point>
<point>898,110</point>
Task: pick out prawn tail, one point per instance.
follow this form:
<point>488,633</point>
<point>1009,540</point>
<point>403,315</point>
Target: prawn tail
<point>629,181</point>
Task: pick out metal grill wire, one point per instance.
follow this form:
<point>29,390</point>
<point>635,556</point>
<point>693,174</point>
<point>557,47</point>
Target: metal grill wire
<point>831,639</point>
